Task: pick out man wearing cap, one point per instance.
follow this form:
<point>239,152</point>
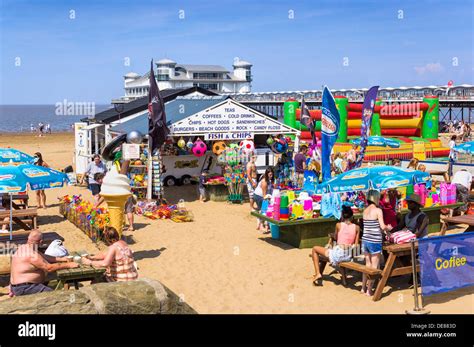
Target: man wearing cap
<point>415,221</point>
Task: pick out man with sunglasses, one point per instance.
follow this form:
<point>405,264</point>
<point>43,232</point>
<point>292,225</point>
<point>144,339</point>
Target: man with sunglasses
<point>29,267</point>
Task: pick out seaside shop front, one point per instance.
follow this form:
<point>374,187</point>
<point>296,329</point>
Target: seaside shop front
<point>203,121</point>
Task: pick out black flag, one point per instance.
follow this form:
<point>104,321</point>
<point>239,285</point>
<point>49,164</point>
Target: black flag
<point>305,119</point>
<point>157,129</point>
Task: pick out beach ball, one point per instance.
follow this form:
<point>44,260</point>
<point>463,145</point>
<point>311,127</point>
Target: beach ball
<point>190,144</point>
<point>247,147</point>
<point>270,141</point>
<point>181,143</point>
<point>218,147</point>
<point>199,148</point>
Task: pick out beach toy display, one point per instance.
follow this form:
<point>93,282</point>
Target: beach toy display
<point>235,179</point>
<point>284,207</point>
<point>92,221</point>
<point>116,190</point>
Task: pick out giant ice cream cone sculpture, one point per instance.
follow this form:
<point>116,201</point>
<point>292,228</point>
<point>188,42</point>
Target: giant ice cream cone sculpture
<point>116,190</point>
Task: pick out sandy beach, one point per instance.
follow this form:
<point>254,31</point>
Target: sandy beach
<point>219,263</point>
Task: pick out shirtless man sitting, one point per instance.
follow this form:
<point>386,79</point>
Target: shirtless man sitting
<point>29,267</point>
<point>251,178</point>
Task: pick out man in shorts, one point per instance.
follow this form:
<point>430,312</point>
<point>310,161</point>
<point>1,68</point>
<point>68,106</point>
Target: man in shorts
<point>251,178</point>
<point>29,267</point>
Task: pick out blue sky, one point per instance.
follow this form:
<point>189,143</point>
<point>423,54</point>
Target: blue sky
<point>82,59</point>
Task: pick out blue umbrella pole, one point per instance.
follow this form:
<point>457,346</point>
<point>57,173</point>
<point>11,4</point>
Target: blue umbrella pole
<point>11,217</point>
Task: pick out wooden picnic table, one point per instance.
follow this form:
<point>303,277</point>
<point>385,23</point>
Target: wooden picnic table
<point>397,263</point>
<point>465,219</point>
<point>79,274</point>
<point>306,233</point>
<point>24,218</point>
<point>22,198</point>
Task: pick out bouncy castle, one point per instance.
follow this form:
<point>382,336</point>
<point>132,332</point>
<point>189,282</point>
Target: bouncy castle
<point>404,122</point>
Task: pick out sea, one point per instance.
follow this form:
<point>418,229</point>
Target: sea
<point>19,118</point>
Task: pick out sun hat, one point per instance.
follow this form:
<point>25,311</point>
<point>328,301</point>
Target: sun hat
<point>414,198</point>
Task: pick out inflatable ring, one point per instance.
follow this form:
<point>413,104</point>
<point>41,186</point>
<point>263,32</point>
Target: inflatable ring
<point>108,151</point>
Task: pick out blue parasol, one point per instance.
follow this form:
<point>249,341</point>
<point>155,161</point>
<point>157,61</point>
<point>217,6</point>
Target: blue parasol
<point>379,141</point>
<point>466,147</point>
<point>14,179</point>
<point>377,177</point>
<point>14,156</point>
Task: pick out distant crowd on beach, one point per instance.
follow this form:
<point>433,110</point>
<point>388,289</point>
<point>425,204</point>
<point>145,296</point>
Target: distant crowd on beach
<point>41,130</point>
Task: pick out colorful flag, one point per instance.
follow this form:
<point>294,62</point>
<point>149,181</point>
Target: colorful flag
<point>446,262</point>
<point>367,112</point>
<point>157,129</point>
<point>330,121</point>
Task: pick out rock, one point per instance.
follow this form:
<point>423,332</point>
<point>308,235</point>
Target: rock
<point>144,296</point>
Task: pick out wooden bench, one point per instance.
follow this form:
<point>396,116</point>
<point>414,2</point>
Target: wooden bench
<point>25,218</point>
<point>372,274</point>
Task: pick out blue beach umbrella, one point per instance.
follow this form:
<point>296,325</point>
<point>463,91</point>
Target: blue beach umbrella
<point>466,147</point>
<point>379,141</point>
<point>377,177</point>
<point>14,179</point>
<point>11,155</point>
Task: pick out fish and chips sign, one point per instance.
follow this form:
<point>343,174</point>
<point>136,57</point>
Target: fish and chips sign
<point>229,121</point>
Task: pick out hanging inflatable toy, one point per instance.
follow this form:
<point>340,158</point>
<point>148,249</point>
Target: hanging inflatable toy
<point>190,144</point>
<point>181,143</point>
<point>247,147</point>
<point>270,141</point>
<point>108,152</point>
<point>280,146</point>
<point>232,154</point>
<point>199,148</point>
<point>218,147</point>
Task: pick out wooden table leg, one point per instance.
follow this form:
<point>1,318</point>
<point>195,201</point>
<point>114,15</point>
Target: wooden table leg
<point>385,275</point>
<point>343,276</point>
<point>76,285</point>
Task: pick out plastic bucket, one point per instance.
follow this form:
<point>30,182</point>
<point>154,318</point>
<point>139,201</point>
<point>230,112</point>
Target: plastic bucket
<point>275,230</point>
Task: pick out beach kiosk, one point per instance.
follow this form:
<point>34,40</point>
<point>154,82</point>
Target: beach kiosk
<point>208,119</point>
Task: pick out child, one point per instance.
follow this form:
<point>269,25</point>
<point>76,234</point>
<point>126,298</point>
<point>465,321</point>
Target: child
<point>202,186</point>
<point>422,168</point>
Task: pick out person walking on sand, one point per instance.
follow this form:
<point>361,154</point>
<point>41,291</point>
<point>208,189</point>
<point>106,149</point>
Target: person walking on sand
<point>372,237</point>
<point>264,188</point>
<point>29,267</point>
<point>40,129</point>
<point>40,194</point>
<point>96,166</point>
<point>252,179</point>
